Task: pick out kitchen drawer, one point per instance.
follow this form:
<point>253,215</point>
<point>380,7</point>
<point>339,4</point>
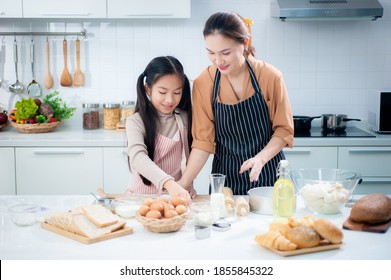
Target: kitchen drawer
<point>7,171</point>
<point>58,171</point>
<point>64,9</point>
<point>148,9</point>
<point>312,157</point>
<point>116,174</point>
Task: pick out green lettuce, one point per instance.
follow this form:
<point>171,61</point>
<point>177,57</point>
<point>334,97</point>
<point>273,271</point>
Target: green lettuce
<point>26,109</point>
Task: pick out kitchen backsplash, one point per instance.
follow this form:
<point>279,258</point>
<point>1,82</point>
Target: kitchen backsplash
<point>329,67</point>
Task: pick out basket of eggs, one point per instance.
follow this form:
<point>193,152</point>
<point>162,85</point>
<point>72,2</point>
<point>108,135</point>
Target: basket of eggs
<point>163,214</point>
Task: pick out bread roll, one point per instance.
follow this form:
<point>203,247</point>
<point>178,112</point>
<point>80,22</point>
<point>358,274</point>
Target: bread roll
<point>372,208</point>
<point>303,236</point>
<point>275,240</point>
<point>242,206</point>
<point>328,230</point>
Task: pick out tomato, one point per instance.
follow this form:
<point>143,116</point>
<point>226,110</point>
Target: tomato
<point>51,120</point>
<point>30,121</point>
<point>12,114</point>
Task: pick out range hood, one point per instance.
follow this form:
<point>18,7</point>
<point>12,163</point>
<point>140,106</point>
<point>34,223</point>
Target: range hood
<point>326,9</point>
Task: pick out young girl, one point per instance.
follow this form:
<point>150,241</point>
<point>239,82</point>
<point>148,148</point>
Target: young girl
<point>159,132</point>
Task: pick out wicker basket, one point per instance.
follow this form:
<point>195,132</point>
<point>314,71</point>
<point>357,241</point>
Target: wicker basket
<point>36,127</point>
<point>3,125</point>
<point>163,225</point>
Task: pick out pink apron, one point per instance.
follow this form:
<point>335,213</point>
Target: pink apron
<point>169,152</point>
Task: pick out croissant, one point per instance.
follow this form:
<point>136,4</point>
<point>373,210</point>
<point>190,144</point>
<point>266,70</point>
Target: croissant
<point>282,227</point>
<point>275,240</point>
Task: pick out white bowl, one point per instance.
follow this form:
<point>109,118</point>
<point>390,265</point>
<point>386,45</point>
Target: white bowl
<point>24,214</point>
<point>261,200</point>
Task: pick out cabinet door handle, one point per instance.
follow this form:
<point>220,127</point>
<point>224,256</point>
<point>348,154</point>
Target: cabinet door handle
<point>48,152</point>
<point>150,15</point>
<point>297,152</point>
<point>376,179</point>
<point>66,14</point>
<point>380,151</point>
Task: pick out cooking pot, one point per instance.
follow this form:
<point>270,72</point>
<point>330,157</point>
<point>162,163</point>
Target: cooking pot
<point>335,122</point>
<point>302,124</point>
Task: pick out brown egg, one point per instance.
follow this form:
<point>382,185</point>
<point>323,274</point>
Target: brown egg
<point>177,200</point>
<point>180,209</point>
<point>168,206</point>
<point>154,214</point>
<point>163,199</point>
<point>170,214</point>
<point>143,210</point>
<point>148,201</point>
<point>157,206</point>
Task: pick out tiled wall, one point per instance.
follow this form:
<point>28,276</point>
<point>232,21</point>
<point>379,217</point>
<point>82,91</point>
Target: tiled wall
<point>329,67</point>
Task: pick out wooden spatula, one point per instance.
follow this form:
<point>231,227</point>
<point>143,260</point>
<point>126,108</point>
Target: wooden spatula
<point>66,79</point>
<point>78,78</point>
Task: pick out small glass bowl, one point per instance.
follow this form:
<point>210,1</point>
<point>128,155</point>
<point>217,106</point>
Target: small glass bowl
<point>204,214</point>
<point>126,207</point>
<point>24,214</point>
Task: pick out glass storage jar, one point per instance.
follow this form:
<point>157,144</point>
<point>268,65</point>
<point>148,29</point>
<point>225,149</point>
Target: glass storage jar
<point>90,115</point>
<point>127,108</point>
<point>111,115</point>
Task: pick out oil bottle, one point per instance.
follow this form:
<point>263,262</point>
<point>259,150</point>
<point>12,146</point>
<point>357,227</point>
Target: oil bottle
<point>283,192</point>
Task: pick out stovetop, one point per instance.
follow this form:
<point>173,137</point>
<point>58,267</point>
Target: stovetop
<point>348,132</point>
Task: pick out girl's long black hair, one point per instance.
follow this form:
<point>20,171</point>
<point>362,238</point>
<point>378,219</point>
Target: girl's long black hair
<point>158,67</point>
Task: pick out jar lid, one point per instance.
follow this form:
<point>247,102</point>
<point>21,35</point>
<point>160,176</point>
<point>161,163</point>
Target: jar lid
<point>128,103</point>
<point>111,105</point>
<point>90,105</point>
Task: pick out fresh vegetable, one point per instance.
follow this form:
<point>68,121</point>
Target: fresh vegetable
<point>3,118</point>
<point>26,108</point>
<point>51,120</point>
<point>46,110</point>
<point>30,121</point>
<point>41,119</point>
<point>12,114</point>
<point>60,109</point>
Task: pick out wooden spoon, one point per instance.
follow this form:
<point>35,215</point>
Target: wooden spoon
<point>78,78</point>
<point>66,79</point>
<point>48,79</point>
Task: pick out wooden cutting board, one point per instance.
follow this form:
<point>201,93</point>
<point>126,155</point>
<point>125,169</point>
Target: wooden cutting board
<point>378,228</point>
<point>121,232</point>
<point>323,246</point>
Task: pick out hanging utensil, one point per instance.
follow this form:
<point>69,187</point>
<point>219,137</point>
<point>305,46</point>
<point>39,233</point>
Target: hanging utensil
<point>33,89</point>
<point>17,87</point>
<point>78,78</point>
<point>47,79</point>
<point>66,79</point>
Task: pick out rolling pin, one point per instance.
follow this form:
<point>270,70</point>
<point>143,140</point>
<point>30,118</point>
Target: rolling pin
<point>229,198</point>
<point>242,206</point>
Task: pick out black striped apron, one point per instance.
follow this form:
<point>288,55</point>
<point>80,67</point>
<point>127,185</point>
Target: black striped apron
<point>241,131</point>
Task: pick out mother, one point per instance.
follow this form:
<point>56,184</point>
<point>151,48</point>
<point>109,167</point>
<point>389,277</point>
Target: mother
<point>241,110</point>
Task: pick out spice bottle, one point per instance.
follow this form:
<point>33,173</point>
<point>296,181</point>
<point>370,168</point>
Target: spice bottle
<point>283,192</point>
<point>111,115</point>
<point>90,115</point>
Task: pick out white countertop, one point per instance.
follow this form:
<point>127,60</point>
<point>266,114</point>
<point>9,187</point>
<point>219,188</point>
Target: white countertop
<point>71,135</point>
<point>238,243</point>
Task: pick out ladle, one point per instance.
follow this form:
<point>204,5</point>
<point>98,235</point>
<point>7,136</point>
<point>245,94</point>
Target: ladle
<point>78,78</point>
<point>17,87</point>
<point>33,88</point>
<point>66,79</point>
<point>48,79</point>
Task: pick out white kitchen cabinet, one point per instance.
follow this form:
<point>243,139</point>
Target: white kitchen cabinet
<point>116,172</point>
<point>312,157</point>
<point>11,9</point>
<point>148,9</point>
<point>64,9</point>
<point>58,171</point>
<point>373,163</point>
<point>7,171</point>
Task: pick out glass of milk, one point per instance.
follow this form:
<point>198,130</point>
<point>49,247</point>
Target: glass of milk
<point>217,181</point>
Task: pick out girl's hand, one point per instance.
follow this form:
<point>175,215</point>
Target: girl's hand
<point>190,188</point>
<point>255,164</point>
<point>174,189</point>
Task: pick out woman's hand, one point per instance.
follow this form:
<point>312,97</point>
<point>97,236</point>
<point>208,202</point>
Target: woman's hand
<point>255,164</point>
<point>174,189</point>
<point>190,188</point>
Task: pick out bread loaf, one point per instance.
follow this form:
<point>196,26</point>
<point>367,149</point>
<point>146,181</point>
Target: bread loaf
<point>100,215</point>
<point>242,206</point>
<point>372,208</point>
<point>303,236</point>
